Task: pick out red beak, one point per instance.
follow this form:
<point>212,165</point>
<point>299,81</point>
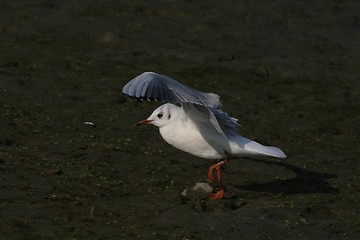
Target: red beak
<point>143,122</point>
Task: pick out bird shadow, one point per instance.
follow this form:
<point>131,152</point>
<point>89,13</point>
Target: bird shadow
<point>305,181</point>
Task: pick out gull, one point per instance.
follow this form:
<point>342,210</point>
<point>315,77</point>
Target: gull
<point>193,122</point>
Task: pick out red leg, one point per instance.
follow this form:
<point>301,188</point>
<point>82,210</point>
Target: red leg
<point>217,167</point>
<point>218,195</point>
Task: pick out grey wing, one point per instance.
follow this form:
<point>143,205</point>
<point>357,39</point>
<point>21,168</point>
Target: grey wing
<point>201,116</point>
<point>153,86</point>
<point>226,122</point>
<point>216,120</point>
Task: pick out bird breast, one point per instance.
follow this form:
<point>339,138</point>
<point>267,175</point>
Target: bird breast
<point>196,140</point>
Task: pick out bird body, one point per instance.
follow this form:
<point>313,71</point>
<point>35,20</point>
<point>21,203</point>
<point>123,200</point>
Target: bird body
<point>200,138</point>
<point>185,134</point>
<point>193,121</point>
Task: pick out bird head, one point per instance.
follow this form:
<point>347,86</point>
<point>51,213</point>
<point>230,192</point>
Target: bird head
<point>161,116</point>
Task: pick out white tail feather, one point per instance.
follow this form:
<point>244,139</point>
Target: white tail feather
<point>242,146</point>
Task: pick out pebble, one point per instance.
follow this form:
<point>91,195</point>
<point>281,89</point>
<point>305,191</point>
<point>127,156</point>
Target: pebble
<point>200,190</point>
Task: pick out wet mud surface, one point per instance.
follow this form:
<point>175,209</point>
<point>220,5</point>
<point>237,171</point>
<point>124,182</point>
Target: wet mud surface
<point>288,72</point>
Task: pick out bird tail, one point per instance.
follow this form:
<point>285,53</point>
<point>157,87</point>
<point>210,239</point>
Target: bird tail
<point>243,146</point>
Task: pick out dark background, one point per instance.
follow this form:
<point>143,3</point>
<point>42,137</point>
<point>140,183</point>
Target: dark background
<point>288,70</point>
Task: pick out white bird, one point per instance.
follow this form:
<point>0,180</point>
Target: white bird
<point>193,121</point>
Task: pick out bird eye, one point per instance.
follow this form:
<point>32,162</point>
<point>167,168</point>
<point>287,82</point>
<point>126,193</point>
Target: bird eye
<point>160,115</point>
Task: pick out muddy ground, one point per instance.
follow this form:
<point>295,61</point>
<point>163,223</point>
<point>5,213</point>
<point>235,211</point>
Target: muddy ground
<point>289,71</point>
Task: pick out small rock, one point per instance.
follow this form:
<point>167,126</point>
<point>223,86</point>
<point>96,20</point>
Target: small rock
<point>200,190</point>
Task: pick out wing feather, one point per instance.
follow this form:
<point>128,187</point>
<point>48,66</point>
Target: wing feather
<point>153,86</point>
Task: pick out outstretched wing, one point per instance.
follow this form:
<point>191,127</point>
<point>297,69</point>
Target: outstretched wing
<point>152,86</point>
